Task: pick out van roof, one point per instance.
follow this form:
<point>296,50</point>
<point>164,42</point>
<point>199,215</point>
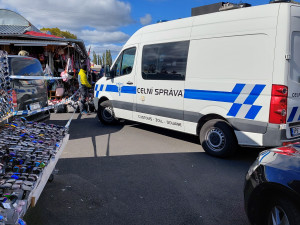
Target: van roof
<point>268,10</point>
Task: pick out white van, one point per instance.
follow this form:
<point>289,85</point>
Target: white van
<point>231,77</point>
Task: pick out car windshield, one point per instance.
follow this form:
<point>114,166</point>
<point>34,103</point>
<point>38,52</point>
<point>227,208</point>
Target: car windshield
<point>25,67</point>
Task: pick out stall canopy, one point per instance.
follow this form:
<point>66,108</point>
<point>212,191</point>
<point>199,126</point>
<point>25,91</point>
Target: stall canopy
<point>18,31</point>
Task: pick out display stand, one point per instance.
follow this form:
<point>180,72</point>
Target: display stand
<point>12,215</point>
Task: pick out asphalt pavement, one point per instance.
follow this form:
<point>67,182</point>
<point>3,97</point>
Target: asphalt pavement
<point>139,174</point>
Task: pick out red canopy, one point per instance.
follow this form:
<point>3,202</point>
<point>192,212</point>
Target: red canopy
<point>38,34</point>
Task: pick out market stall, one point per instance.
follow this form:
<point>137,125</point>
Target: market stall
<point>59,57</point>
<point>29,152</point>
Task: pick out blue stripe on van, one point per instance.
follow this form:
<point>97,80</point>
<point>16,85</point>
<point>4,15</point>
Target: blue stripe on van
<point>124,89</point>
<point>231,97</point>
<point>217,96</point>
<point>111,88</point>
<point>101,87</point>
<point>292,115</point>
<point>129,89</point>
<point>234,109</point>
<point>252,113</point>
<point>254,94</point>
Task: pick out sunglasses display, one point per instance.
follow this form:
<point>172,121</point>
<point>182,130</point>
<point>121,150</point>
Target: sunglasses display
<point>6,103</point>
<point>26,149</point>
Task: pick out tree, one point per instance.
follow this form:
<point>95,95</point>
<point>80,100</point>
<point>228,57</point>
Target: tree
<point>106,58</point>
<point>94,57</point>
<point>103,58</point>
<point>57,32</point>
<point>99,60</point>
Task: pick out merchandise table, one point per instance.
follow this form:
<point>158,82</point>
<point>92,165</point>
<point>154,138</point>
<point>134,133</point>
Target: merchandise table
<point>29,153</point>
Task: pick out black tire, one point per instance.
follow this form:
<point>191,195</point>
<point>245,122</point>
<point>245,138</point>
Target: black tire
<point>284,208</point>
<point>106,113</point>
<point>218,139</point>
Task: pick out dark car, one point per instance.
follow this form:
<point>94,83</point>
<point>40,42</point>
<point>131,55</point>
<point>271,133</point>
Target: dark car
<point>272,187</point>
<point>28,94</point>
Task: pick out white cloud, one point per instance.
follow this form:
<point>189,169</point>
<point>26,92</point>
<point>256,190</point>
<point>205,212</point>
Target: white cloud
<point>147,19</point>
<point>94,36</point>
<point>73,15</point>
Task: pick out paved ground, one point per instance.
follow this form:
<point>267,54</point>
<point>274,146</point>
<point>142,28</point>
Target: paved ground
<point>139,174</point>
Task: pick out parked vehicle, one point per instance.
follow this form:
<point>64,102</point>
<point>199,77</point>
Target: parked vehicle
<point>28,94</point>
<point>272,187</point>
<point>230,77</point>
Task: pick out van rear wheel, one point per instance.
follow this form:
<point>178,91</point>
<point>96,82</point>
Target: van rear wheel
<point>106,113</point>
<point>218,139</point>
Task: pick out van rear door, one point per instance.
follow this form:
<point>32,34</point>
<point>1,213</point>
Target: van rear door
<point>293,110</point>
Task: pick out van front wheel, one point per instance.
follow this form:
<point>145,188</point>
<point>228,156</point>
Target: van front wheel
<point>106,113</point>
<point>217,138</point>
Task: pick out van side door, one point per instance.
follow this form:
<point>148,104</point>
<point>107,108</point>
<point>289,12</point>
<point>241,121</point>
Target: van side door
<point>160,84</point>
<point>121,86</point>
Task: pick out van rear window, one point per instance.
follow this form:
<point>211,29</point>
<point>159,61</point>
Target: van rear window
<point>166,61</point>
<point>295,61</point>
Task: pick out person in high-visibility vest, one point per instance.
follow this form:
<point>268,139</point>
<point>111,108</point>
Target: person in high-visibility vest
<point>84,85</point>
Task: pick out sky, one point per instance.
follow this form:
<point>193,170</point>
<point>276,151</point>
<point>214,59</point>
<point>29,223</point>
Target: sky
<point>105,24</point>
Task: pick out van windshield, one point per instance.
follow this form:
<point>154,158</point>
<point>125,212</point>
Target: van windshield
<point>25,67</point>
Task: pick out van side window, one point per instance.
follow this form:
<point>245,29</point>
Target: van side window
<point>127,61</point>
<point>124,63</point>
<point>116,68</point>
<point>165,61</point>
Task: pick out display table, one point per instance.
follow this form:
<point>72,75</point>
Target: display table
<point>14,214</point>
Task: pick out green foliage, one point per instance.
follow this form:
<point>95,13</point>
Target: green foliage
<point>57,32</point>
<point>106,58</point>
<point>99,60</point>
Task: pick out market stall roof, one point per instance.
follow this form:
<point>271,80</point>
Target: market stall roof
<point>30,42</point>
<point>15,29</point>
<point>13,23</point>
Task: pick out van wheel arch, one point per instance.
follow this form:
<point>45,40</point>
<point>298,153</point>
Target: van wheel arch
<point>102,99</point>
<point>206,118</point>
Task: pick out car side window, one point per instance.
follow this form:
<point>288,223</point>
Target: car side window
<point>165,61</point>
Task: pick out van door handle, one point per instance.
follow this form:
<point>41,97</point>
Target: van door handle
<point>130,83</point>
